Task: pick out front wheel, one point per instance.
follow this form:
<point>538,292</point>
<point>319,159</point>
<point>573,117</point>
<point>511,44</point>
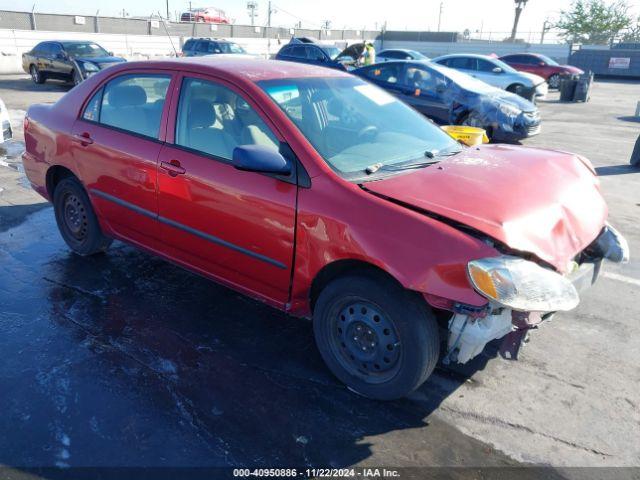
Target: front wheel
<point>76,219</point>
<point>376,337</point>
<point>36,75</point>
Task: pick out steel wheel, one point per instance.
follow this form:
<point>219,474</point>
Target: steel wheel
<point>366,342</point>
<point>75,217</point>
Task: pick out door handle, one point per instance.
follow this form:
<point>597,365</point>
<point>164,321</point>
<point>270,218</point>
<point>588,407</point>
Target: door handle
<point>173,168</point>
<point>83,138</point>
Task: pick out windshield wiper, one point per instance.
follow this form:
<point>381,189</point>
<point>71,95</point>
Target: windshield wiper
<point>376,167</point>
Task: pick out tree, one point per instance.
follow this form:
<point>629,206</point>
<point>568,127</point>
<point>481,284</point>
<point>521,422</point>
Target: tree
<point>633,33</point>
<point>520,4</point>
<point>594,21</point>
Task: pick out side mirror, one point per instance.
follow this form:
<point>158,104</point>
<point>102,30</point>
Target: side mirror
<point>497,70</point>
<point>258,158</point>
<point>110,54</point>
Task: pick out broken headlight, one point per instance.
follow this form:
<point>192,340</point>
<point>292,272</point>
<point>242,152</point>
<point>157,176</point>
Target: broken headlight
<point>522,285</point>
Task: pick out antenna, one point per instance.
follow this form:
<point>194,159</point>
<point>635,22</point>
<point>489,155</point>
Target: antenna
<point>166,30</point>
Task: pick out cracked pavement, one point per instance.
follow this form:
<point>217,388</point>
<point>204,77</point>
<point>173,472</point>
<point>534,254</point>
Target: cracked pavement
<point>124,359</point>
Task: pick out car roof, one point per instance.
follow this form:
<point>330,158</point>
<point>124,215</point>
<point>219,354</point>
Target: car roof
<point>210,39</point>
<point>467,55</point>
<point>237,66</point>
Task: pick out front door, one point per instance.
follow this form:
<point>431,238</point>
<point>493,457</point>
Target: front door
<point>116,144</point>
<point>235,226</point>
<point>426,92</point>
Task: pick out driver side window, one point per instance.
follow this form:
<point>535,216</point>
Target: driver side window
<point>389,73</point>
<point>213,120</point>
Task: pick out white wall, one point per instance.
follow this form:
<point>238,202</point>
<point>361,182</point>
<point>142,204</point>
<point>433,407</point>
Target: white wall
<point>13,43</point>
<point>435,49</point>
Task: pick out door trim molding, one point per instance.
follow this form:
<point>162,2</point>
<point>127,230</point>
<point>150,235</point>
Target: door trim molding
<point>185,228</point>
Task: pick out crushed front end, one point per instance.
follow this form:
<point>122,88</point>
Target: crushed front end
<point>522,293</point>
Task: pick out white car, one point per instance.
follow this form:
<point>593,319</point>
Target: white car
<point>5,123</point>
<point>497,73</point>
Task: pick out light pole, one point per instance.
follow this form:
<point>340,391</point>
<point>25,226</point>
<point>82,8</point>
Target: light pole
<point>519,6</point>
<point>252,6</point>
<point>440,15</point>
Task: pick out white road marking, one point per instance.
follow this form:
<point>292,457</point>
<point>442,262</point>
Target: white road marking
<point>621,278</point>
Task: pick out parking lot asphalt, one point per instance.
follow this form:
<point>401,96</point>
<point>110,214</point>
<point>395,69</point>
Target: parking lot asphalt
<point>124,359</point>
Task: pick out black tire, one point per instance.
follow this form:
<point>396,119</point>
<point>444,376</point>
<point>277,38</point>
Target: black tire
<point>635,155</point>
<point>76,78</point>
<point>36,75</point>
<point>554,81</point>
<point>76,219</point>
<point>469,120</point>
<point>515,88</point>
<point>402,328</point>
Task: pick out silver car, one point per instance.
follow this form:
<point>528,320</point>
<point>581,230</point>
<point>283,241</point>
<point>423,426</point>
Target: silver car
<point>497,73</point>
<point>393,54</point>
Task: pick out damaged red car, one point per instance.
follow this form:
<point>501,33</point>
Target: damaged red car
<point>326,197</point>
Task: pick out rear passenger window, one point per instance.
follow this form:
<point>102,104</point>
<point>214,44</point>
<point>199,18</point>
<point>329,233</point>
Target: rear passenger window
<point>214,120</point>
<point>134,103</point>
<point>92,110</point>
<point>389,73</point>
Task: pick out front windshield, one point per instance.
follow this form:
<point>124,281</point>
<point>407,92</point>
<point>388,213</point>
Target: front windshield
<point>85,50</point>
<point>548,60</point>
<point>503,66</point>
<point>464,80</point>
<point>333,52</point>
<point>417,55</point>
<point>354,125</point>
<point>230,48</point>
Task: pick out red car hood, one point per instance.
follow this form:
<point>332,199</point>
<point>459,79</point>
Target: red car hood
<point>543,202</point>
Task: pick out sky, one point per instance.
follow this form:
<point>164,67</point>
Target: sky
<point>457,15</point>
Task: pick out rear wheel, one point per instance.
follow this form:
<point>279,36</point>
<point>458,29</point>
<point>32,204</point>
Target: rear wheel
<point>76,219</point>
<point>376,337</point>
<point>554,81</point>
<point>36,75</point>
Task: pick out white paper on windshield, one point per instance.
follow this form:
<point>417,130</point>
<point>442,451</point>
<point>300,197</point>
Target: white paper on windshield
<point>374,94</point>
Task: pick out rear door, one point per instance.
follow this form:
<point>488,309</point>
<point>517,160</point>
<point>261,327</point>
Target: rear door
<point>235,226</point>
<point>116,143</point>
<point>44,58</point>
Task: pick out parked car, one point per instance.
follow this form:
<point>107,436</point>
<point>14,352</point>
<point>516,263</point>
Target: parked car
<point>205,15</point>
<point>304,50</point>
<point>5,123</point>
<point>542,66</point>
<point>399,54</point>
<point>497,73</point>
<point>324,196</point>
<point>197,47</point>
<point>448,96</point>
<point>70,60</point>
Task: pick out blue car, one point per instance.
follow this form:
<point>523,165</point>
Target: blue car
<point>307,51</point>
<point>451,97</point>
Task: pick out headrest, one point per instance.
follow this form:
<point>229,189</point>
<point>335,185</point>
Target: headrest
<point>201,114</point>
<point>127,96</point>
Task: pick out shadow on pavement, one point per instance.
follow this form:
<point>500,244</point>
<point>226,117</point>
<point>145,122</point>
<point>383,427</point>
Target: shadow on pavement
<point>123,359</point>
<point>25,84</point>
<point>623,169</point>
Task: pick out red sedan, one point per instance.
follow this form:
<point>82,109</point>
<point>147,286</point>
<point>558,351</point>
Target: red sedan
<point>324,196</point>
<point>541,65</point>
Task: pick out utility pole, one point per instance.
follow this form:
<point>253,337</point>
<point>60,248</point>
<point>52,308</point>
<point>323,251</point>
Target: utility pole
<point>167,10</point>
<point>440,15</point>
<point>546,26</point>
<point>520,4</point>
<point>252,6</point>
<point>269,14</point>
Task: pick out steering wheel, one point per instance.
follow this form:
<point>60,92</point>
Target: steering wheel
<point>368,133</point>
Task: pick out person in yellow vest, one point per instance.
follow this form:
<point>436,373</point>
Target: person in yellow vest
<point>369,54</point>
